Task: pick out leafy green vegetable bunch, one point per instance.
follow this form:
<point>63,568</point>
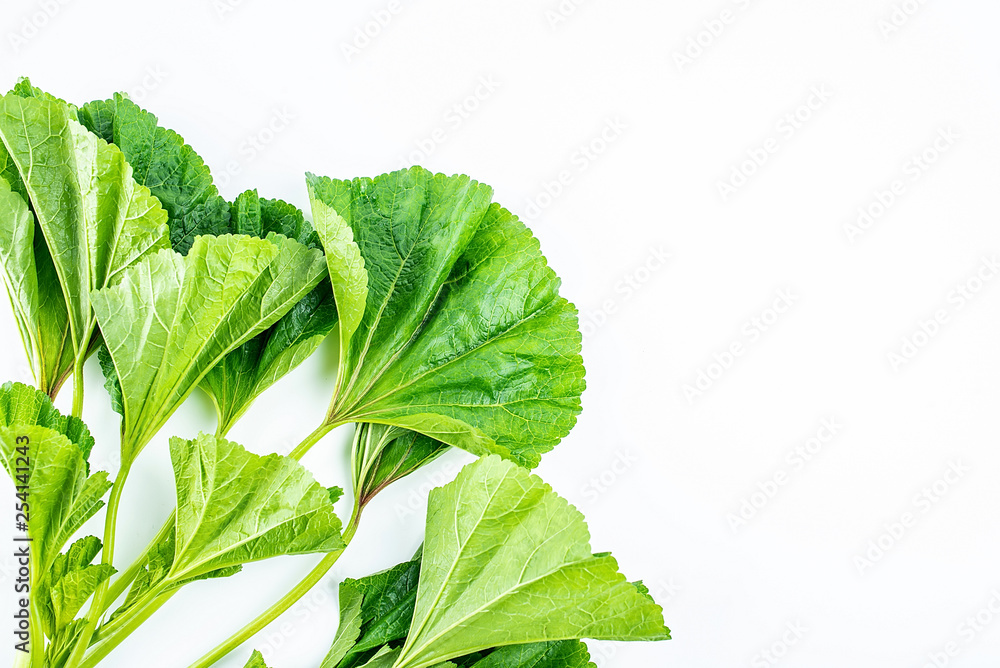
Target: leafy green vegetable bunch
<point>450,331</point>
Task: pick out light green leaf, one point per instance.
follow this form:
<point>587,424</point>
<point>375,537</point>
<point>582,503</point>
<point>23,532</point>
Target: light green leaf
<point>384,658</point>
<point>242,375</point>
<point>37,300</point>
<point>234,507</point>
<point>464,337</point>
<point>347,269</point>
<point>162,162</point>
<point>61,495</point>
<point>171,318</point>
<point>24,405</point>
<point>256,660</point>
<point>96,220</point>
<point>23,88</point>
<point>376,611</point>
<point>507,561</point>
<point>73,579</point>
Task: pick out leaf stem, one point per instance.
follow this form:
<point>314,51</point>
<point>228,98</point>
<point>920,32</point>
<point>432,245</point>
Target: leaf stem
<point>105,597</point>
<point>99,604</point>
<point>78,386</point>
<point>37,635</point>
<point>144,610</point>
<point>127,576</point>
<point>312,439</point>
<point>283,604</point>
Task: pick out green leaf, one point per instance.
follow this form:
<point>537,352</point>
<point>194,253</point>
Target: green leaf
<point>73,579</point>
<point>507,561</point>
<point>242,375</point>
<point>62,644</point>
<point>256,660</point>
<point>96,220</point>
<point>384,658</point>
<point>23,405</point>
<point>387,611</point>
<point>111,381</point>
<point>382,454</point>
<point>376,613</point>
<point>79,556</point>
<point>463,335</point>
<point>234,507</point>
<point>349,629</point>
<point>559,654</point>
<point>171,318</point>
<point>346,267</point>
<point>38,302</point>
<point>23,88</point>
<point>171,169</point>
<point>61,495</point>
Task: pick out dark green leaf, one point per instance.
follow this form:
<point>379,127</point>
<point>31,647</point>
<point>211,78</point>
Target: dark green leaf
<point>173,172</point>
<point>451,321</point>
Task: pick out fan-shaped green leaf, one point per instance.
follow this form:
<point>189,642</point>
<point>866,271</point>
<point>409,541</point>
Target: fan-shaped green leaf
<point>172,318</point>
<point>242,375</point>
<point>162,162</point>
<point>78,196</point>
<point>506,562</point>
<point>463,336</point>
<point>234,507</point>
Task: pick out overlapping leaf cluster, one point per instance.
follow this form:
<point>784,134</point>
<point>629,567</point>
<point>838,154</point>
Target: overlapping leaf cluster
<point>451,333</point>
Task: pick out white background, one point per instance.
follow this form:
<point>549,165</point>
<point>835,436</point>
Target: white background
<point>671,470</point>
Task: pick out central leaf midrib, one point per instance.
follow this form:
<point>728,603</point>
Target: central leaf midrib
<point>504,594</point>
<point>235,545</point>
<point>388,297</point>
